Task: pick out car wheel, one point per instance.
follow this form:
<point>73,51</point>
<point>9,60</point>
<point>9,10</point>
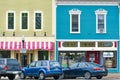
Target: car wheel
<point>87,75</point>
<point>22,75</point>
<point>99,77</point>
<point>11,77</point>
<point>62,76</point>
<point>41,76</point>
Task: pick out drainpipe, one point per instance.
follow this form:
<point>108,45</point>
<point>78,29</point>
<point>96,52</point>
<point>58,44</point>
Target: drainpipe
<point>119,40</point>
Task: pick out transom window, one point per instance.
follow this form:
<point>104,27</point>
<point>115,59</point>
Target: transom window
<point>100,20</point>
<point>10,20</point>
<point>74,20</point>
<point>24,20</point>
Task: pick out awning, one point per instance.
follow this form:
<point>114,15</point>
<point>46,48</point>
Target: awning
<point>4,45</point>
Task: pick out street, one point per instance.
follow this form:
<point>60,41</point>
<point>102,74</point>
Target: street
<point>111,76</point>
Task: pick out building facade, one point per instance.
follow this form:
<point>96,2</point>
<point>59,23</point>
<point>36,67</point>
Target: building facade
<point>88,30</point>
<point>27,31</point>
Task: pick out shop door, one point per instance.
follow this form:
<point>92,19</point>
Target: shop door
<point>92,56</point>
<point>43,55</point>
<point>24,60</point>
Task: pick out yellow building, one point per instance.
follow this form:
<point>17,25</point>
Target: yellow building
<point>27,30</point>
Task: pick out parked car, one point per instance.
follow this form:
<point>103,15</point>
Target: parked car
<point>85,69</point>
<point>9,67</point>
<point>42,69</point>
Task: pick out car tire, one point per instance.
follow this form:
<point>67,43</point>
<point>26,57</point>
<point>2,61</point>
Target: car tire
<point>11,77</point>
<point>35,77</point>
<point>87,75</point>
<point>56,77</point>
<point>99,77</point>
<point>41,76</point>
<point>22,75</point>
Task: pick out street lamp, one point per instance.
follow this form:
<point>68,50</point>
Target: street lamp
<point>23,40</point>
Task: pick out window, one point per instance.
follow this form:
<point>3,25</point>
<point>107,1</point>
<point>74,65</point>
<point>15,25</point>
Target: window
<point>74,20</point>
<point>24,20</point>
<point>10,20</point>
<point>38,20</point>
<point>100,20</point>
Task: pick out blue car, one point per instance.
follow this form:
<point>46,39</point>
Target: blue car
<point>84,69</point>
<point>42,69</point>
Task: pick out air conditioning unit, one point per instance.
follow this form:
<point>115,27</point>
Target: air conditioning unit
<point>101,30</point>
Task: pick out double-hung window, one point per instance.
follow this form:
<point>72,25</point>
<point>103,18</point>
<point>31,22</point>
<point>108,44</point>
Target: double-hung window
<point>10,20</point>
<point>24,20</point>
<point>38,20</point>
<point>101,20</point>
<point>74,20</point>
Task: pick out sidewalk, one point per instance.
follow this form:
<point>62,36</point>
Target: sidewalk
<point>113,75</point>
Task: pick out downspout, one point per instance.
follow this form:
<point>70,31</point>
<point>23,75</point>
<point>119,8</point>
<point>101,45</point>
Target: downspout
<point>119,40</point>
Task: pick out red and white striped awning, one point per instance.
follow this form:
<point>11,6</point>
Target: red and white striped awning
<point>4,45</point>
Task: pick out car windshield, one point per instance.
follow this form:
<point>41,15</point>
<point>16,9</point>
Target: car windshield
<point>12,61</point>
<point>2,61</point>
<point>54,63</point>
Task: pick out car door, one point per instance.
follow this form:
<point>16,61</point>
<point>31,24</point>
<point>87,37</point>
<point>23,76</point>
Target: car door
<point>81,69</point>
<point>73,70</point>
<point>30,70</point>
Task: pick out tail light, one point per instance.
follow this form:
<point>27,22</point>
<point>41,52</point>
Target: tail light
<point>97,68</point>
<point>5,67</point>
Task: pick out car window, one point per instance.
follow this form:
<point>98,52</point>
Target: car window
<point>74,65</point>
<point>54,63</point>
<point>93,65</point>
<point>32,64</point>
<point>2,61</point>
<point>44,63</point>
<point>12,61</point>
<point>82,65</point>
<point>38,64</point>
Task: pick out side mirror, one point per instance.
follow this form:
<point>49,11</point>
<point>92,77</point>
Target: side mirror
<point>27,66</point>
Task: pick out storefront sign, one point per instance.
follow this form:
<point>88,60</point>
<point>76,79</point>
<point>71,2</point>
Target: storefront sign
<point>107,54</point>
<point>23,50</point>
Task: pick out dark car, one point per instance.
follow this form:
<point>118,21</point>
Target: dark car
<point>9,67</point>
<point>42,69</point>
<point>84,69</point>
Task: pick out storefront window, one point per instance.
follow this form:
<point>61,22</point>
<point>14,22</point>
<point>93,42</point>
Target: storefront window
<point>110,59</point>
<point>87,44</point>
<point>70,44</point>
<point>4,54</point>
<point>70,57</point>
<point>105,44</point>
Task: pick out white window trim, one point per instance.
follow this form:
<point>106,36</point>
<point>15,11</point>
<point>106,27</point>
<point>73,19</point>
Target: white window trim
<point>71,12</point>
<point>98,12</point>
<point>10,11</point>
<point>41,22</point>
<point>21,21</point>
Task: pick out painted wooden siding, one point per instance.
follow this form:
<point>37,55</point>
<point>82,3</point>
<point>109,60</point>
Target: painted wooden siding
<point>88,22</point>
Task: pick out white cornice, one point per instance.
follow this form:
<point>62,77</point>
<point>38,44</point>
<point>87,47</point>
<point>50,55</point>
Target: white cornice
<point>86,3</point>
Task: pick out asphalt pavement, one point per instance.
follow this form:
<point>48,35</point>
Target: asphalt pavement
<point>111,76</point>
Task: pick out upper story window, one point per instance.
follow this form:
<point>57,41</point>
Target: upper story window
<point>10,20</point>
<point>74,20</point>
<point>101,20</point>
<point>24,20</point>
<point>38,20</point>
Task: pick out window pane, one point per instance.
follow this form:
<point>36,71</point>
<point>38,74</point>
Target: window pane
<point>24,20</point>
<point>100,21</point>
<point>10,20</point>
<point>38,21</point>
<point>74,23</point>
